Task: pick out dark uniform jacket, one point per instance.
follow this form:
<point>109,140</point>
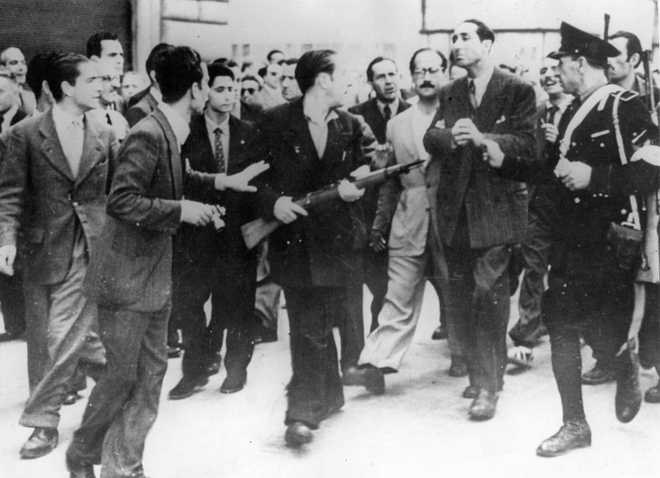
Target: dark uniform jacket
<point>492,201</point>
<point>141,109</point>
<point>40,196</point>
<point>132,269</point>
<point>318,250</point>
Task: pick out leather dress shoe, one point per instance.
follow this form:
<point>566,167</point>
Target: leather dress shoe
<point>572,435</point>
<point>41,442</point>
<point>234,382</point>
<point>186,387</point>
<point>652,395</point>
<point>298,434</point>
<point>173,351</point>
<point>79,470</point>
<point>9,336</point>
<point>483,407</point>
<point>71,398</point>
<point>213,367</point>
<point>440,333</point>
<point>628,398</point>
<point>370,377</point>
<point>599,374</point>
<point>471,391</point>
<point>458,367</point>
<point>265,335</point>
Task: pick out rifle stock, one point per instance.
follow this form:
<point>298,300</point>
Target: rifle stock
<point>257,230</point>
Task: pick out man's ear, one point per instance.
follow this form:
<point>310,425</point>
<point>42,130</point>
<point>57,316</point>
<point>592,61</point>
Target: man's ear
<point>95,58</point>
<point>67,88</point>
<point>488,44</point>
<point>323,80</point>
<point>635,59</point>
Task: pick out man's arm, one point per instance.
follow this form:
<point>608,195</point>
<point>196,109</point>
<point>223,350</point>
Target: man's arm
<point>388,197</point>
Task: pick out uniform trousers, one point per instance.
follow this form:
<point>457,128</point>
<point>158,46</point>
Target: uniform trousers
<point>268,293</point>
<point>376,279</point>
<point>123,405</point>
<point>478,300</point>
<point>60,322</point>
<point>315,389</point>
<point>12,303</point>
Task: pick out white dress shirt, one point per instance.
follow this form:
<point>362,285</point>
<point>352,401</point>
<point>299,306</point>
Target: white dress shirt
<point>481,83</point>
<point>71,134</point>
<point>224,127</point>
<point>178,123</point>
<point>317,123</point>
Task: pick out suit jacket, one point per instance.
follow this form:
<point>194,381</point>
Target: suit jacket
<point>403,206</point>
<point>133,268</point>
<point>203,245</point>
<point>492,201</point>
<point>318,250</point>
<point>372,115</point>
<point>141,109</point>
<point>40,196</point>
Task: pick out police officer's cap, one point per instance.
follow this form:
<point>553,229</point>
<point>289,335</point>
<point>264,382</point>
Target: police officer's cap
<point>576,42</point>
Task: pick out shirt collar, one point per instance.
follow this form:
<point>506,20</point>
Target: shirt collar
<point>561,105</point>
<point>64,118</point>
<point>158,96</point>
<point>212,125</point>
<point>178,123</point>
<point>313,111</point>
<point>481,81</point>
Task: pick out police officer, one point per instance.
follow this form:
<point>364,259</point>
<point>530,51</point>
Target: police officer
<point>590,283</point>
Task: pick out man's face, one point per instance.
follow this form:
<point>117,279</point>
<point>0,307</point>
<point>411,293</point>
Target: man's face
<point>86,91</point>
<point>619,67</point>
<point>248,89</point>
<point>113,53</point>
<point>222,96</point>
<point>290,88</point>
<point>14,61</point>
<point>549,77</point>
<point>569,74</point>
<point>200,91</point>
<point>8,94</point>
<point>340,82</point>
<point>385,82</point>
<point>273,76</point>
<point>131,84</point>
<point>276,58</point>
<point>110,83</point>
<point>466,46</point>
<point>428,76</point>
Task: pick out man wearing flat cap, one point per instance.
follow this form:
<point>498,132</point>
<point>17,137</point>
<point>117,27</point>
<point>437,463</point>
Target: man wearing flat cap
<point>591,278</point>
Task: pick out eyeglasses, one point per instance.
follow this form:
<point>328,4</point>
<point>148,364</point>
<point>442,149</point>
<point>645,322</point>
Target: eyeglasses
<point>424,71</point>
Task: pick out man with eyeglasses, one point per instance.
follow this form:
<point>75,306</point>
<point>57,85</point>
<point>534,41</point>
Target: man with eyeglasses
<point>271,93</point>
<point>250,109</point>
<point>483,141</point>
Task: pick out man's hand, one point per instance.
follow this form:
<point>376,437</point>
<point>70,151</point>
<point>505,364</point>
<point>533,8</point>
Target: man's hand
<point>380,155</point>
<point>575,175</point>
<point>492,153</point>
<point>551,132</point>
<point>7,258</point>
<point>286,211</point>
<point>360,172</point>
<point>348,192</point>
<point>464,131</point>
<point>196,213</point>
<point>377,240</point>
<point>240,181</point>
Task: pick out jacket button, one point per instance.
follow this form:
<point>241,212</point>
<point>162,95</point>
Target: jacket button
<point>576,200</point>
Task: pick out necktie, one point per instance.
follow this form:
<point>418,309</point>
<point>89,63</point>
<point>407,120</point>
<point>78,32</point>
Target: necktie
<point>2,120</point>
<point>552,114</point>
<point>472,93</point>
<point>219,153</point>
<point>387,113</point>
<point>108,119</point>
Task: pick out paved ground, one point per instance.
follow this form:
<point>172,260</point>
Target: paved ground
<point>418,428</point>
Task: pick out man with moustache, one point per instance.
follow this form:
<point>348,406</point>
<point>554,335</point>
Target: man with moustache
<point>215,263</point>
<point>483,139</point>
<point>53,187</point>
<point>413,255</point>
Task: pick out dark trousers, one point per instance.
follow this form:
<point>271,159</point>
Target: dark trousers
<point>315,388</point>
<point>649,334</point>
<point>12,303</point>
<point>123,405</point>
<point>478,297</point>
<point>231,286</point>
<point>375,278</point>
<point>268,293</point>
<point>350,323</point>
<point>593,294</point>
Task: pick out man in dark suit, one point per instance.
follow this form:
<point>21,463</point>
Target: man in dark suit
<point>483,137</point>
<point>143,103</point>
<point>53,187</point>
<point>313,257</point>
<point>216,263</point>
<point>130,274</point>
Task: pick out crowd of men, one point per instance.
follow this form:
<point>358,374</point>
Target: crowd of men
<point>123,203</point>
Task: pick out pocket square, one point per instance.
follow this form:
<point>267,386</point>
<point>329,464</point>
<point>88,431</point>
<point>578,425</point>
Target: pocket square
<point>440,124</point>
<point>502,119</point>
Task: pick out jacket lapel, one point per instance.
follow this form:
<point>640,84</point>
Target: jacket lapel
<point>486,114</point>
<point>237,143</point>
<point>298,135</point>
<point>51,147</point>
<point>174,156</point>
<point>92,151</point>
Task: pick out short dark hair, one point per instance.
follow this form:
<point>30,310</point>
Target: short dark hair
<point>94,42</point>
<point>483,31</point>
<point>311,64</point>
<point>291,61</point>
<point>176,72</point>
<point>63,67</point>
<point>262,71</point>
<point>219,69</point>
<point>251,78</point>
<point>272,52</point>
<point>372,63</point>
<point>154,56</point>
<point>413,59</point>
<point>633,45</point>
<point>38,69</point>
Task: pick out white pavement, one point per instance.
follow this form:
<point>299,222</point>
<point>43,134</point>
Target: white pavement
<point>418,428</point>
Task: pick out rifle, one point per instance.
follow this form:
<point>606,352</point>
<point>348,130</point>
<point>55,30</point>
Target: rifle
<point>255,231</point>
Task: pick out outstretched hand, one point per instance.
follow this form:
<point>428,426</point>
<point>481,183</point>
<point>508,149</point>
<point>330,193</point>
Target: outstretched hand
<point>240,181</point>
